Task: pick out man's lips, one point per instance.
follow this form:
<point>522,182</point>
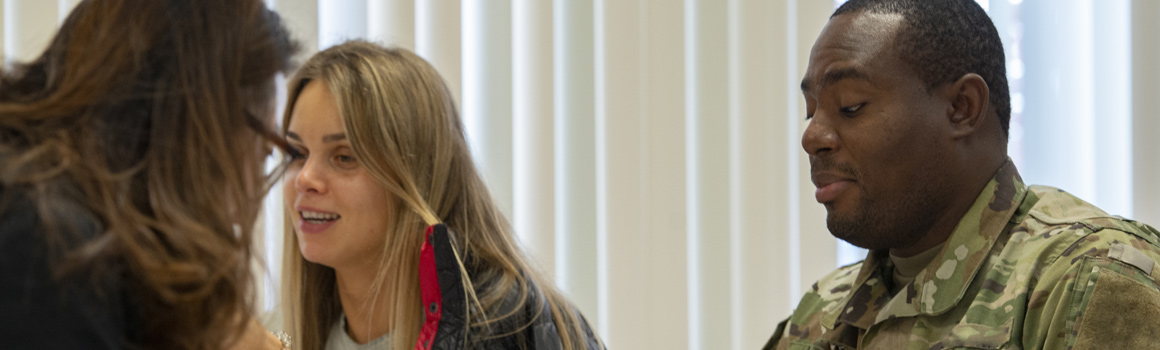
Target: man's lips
<point>830,186</point>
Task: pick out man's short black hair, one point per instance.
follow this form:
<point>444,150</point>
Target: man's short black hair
<point>945,39</point>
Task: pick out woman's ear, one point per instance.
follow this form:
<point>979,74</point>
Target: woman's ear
<point>970,104</point>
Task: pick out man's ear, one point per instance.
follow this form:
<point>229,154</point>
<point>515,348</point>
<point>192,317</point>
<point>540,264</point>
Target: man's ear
<point>970,105</point>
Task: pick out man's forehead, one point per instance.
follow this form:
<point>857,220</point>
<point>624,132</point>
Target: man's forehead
<point>833,75</point>
<point>860,33</point>
<point>849,46</point>
<point>868,25</point>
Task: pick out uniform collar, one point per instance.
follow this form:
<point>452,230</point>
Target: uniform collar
<point>942,284</point>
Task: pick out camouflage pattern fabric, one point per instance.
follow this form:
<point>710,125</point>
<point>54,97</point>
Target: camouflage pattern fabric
<point>1026,268</point>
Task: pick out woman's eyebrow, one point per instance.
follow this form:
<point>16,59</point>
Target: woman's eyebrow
<point>325,139</point>
<point>333,138</point>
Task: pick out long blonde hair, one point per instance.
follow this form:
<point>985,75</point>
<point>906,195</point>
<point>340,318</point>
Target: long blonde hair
<point>405,131</point>
<point>144,116</point>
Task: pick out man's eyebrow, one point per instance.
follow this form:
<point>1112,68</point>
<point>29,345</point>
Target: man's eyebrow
<point>835,76</point>
<point>325,139</point>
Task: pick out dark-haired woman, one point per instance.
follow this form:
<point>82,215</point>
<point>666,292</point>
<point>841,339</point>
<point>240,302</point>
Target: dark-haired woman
<point>131,157</point>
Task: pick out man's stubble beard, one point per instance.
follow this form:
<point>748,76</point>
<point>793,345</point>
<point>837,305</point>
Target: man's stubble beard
<point>873,226</point>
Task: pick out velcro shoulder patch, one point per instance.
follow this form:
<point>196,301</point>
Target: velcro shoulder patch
<point>1132,256</point>
<point>1121,314</point>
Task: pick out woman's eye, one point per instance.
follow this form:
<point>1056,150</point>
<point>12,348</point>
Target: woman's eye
<point>293,154</point>
<point>345,159</point>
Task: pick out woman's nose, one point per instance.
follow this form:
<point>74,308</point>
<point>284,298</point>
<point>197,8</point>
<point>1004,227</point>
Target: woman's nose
<point>310,178</point>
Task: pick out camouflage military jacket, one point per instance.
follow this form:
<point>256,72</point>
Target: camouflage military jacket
<point>1026,268</point>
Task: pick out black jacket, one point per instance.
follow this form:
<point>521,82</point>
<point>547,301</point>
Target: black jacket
<point>38,311</point>
<point>445,299</point>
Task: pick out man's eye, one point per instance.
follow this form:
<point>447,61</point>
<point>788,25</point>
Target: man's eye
<point>849,111</point>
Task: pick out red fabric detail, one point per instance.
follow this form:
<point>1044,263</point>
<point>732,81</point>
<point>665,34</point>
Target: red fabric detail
<point>429,288</point>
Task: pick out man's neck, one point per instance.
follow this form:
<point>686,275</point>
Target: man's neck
<point>938,234</point>
<point>367,314</point>
<point>960,202</point>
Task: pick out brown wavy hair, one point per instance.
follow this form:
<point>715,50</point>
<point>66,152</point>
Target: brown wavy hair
<point>145,116</point>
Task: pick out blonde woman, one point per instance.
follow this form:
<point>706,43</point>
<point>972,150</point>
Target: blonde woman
<point>392,239</point>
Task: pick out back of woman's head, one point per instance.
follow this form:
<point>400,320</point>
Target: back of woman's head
<point>146,115</point>
<point>405,131</point>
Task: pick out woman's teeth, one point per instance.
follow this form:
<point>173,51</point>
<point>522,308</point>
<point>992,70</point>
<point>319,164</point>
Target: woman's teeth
<point>317,218</point>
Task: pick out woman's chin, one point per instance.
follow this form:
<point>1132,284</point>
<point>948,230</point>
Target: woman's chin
<point>315,256</point>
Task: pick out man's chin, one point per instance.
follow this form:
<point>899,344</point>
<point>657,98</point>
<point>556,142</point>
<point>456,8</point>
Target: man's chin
<point>853,240</point>
<point>853,233</point>
<point>840,208</point>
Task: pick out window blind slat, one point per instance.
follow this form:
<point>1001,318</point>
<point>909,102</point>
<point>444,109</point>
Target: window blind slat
<point>533,175</point>
<point>575,159</point>
<point>487,94</point>
<point>1145,123</point>
<point>711,232</point>
<point>28,28</point>
<point>392,22</point>
<point>758,94</point>
<point>438,40</point>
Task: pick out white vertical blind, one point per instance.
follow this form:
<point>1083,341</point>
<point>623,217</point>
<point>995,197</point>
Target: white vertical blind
<point>63,8</point>
<point>1059,35</point>
<point>341,23</point>
<point>707,147</point>
<point>648,151</point>
<point>28,27</point>
<point>301,18</point>
<point>438,39</point>
<point>1074,75</point>
<point>4,60</point>
<point>487,93</point>
<point>1111,114</point>
<point>619,107</point>
<point>657,251</point>
<point>392,22</point>
<point>621,234</point>
<point>761,146</point>
<point>575,151</point>
<point>1145,86</point>
<point>532,118</point>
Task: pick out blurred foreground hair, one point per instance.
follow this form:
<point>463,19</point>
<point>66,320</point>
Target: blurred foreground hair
<point>144,117</point>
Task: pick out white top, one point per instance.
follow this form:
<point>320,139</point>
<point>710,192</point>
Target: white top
<point>340,340</point>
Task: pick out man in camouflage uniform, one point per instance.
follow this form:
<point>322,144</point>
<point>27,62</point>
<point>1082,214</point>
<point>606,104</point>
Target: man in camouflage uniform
<point>909,110</point>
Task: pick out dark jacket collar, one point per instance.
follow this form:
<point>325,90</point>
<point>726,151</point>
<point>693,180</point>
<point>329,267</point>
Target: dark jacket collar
<point>445,305</point>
